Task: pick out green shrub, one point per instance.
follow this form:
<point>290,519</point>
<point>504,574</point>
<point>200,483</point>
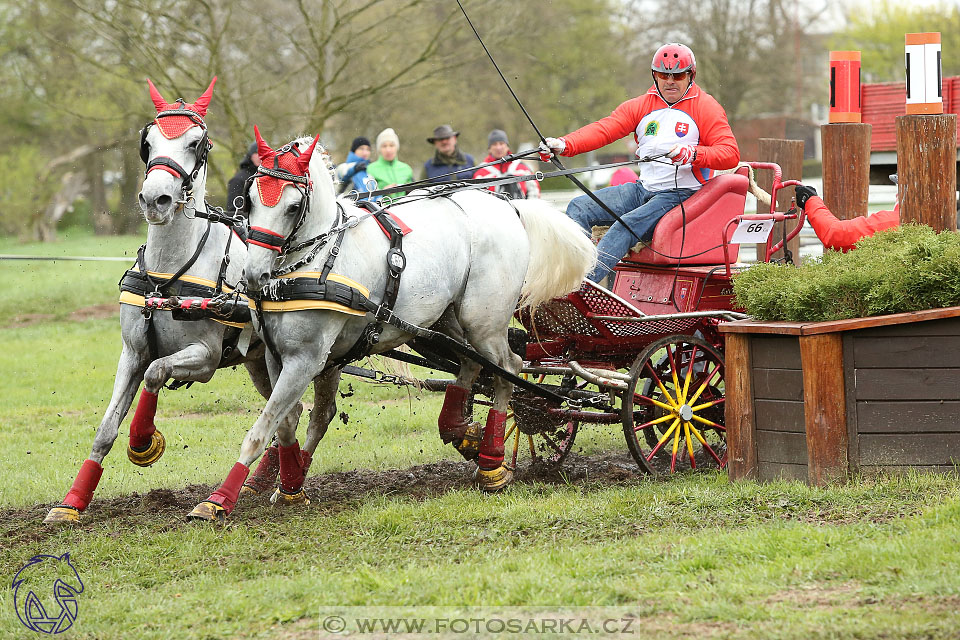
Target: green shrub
<point>908,268</point>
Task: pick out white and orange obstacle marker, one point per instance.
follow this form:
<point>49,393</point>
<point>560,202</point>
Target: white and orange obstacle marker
<point>924,73</point>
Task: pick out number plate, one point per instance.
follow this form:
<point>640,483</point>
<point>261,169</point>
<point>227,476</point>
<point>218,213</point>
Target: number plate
<point>752,231</point>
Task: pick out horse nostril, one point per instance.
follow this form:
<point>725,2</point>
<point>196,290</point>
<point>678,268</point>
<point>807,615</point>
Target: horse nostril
<point>164,201</point>
<point>143,201</point>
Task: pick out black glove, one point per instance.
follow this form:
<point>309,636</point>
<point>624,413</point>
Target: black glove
<point>803,193</point>
<point>360,165</point>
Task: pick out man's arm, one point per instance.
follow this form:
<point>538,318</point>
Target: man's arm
<point>621,122</point>
<point>718,147</point>
<point>842,235</point>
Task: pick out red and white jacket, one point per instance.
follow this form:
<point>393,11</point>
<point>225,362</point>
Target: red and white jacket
<point>842,235</point>
<point>697,119</point>
<point>529,188</point>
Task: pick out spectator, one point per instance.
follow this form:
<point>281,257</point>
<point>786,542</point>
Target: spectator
<point>388,171</point>
<point>498,147</point>
<point>447,156</point>
<point>842,235</point>
<point>248,167</point>
<point>353,172</point>
<point>675,118</point>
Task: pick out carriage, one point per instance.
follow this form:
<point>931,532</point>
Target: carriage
<point>646,354</point>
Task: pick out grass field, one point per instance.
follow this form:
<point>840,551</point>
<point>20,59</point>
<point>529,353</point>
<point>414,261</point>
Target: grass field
<point>395,522</point>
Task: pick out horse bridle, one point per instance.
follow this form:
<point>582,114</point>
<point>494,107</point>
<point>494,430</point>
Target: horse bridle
<point>267,238</point>
<point>169,164</point>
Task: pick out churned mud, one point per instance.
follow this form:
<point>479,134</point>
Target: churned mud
<point>329,492</point>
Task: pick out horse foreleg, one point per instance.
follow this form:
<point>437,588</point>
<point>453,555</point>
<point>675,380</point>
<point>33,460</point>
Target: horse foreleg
<point>130,370</point>
<point>491,474</point>
<point>264,478</point>
<point>286,395</point>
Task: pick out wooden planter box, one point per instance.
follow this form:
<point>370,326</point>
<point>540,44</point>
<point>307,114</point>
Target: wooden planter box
<point>816,401</point>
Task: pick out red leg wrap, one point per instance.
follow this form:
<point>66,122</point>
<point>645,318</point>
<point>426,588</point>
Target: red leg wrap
<point>292,472</point>
<point>452,420</point>
<point>226,495</point>
<point>491,447</point>
<point>265,477</point>
<point>142,427</point>
<point>83,487</point>
<point>307,460</point>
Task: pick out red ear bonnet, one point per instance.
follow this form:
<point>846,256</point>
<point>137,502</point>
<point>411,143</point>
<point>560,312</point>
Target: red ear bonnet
<point>174,126</point>
<point>268,187</point>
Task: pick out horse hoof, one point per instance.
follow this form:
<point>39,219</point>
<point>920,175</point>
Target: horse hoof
<point>248,491</point>
<point>151,454</point>
<point>469,445</point>
<point>283,499</point>
<point>208,512</point>
<point>63,514</point>
<point>493,480</point>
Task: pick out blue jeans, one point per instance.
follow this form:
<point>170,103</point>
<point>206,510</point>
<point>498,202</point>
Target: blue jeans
<point>640,209</point>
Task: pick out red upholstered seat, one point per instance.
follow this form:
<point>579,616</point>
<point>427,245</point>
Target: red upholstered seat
<point>707,213</point>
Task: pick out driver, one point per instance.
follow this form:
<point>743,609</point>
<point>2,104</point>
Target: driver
<point>674,117</point>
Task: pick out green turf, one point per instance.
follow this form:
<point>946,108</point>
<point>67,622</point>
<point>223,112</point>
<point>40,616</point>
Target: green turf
<point>692,556</point>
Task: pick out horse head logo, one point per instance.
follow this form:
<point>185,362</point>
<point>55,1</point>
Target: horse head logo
<point>45,578</point>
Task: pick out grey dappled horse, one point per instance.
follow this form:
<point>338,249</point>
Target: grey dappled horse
<point>174,147</point>
<point>469,258</point>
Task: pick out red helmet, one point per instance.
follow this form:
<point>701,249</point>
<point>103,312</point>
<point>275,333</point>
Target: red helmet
<point>674,58</point>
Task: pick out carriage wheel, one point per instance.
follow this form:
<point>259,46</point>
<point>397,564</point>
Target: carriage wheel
<point>673,411</point>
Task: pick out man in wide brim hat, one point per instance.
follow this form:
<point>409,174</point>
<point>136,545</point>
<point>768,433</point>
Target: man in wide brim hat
<point>447,157</point>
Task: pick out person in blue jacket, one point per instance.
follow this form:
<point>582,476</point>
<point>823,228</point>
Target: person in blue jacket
<point>447,157</point>
<point>352,174</point>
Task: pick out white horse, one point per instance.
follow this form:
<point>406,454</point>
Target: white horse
<point>156,347</point>
<point>471,256</point>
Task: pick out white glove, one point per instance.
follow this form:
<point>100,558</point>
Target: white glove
<point>551,147</point>
<point>682,154</point>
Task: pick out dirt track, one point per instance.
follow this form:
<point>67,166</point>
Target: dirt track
<point>328,492</point>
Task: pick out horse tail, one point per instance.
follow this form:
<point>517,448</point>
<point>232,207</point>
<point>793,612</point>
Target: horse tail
<point>561,254</point>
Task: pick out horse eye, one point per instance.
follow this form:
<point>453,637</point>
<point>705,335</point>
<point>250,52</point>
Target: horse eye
<point>193,145</point>
<point>293,208</point>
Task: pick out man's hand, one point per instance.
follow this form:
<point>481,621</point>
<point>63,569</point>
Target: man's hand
<point>551,147</point>
<point>682,154</point>
<point>803,193</point>
<point>360,165</point>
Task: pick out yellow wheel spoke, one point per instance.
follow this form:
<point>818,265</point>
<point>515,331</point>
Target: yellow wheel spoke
<point>686,380</point>
<point>697,434</point>
<point>533,449</point>
<point>666,394</point>
<point>510,430</point>
<point>706,405</point>
<point>667,433</point>
<point>709,423</point>
<point>676,441</point>
<point>673,372</point>
<point>686,434</point>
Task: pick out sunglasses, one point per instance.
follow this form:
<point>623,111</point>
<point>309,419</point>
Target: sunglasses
<point>660,75</point>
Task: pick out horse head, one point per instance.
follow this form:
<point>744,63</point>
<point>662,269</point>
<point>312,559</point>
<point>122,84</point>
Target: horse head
<point>174,148</point>
<point>279,202</point>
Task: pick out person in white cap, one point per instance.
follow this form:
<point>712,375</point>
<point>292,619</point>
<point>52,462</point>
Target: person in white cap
<point>388,171</point>
<point>498,147</point>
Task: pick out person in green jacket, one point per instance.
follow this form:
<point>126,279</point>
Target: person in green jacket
<point>387,170</point>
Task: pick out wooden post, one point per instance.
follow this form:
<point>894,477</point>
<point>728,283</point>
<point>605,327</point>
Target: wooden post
<point>927,169</point>
<point>738,408</point>
<point>789,155</point>
<point>846,168</point>
<point>825,408</point>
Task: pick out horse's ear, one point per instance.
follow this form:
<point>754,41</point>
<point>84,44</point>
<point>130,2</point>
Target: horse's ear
<point>263,149</point>
<point>303,161</point>
<point>200,106</point>
<point>158,101</point>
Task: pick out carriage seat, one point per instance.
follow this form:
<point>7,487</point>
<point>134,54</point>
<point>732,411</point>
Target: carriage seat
<point>707,213</point>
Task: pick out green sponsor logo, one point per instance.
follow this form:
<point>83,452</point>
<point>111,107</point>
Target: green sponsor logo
<point>652,129</point>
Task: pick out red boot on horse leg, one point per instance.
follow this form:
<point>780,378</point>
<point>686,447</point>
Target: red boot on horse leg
<point>222,501</point>
<point>146,442</point>
<point>491,475</point>
<point>294,464</point>
<point>264,478</point>
<point>455,427</point>
<point>79,495</point>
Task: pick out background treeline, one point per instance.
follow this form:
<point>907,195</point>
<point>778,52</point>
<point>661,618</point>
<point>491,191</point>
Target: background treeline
<point>73,72</point>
